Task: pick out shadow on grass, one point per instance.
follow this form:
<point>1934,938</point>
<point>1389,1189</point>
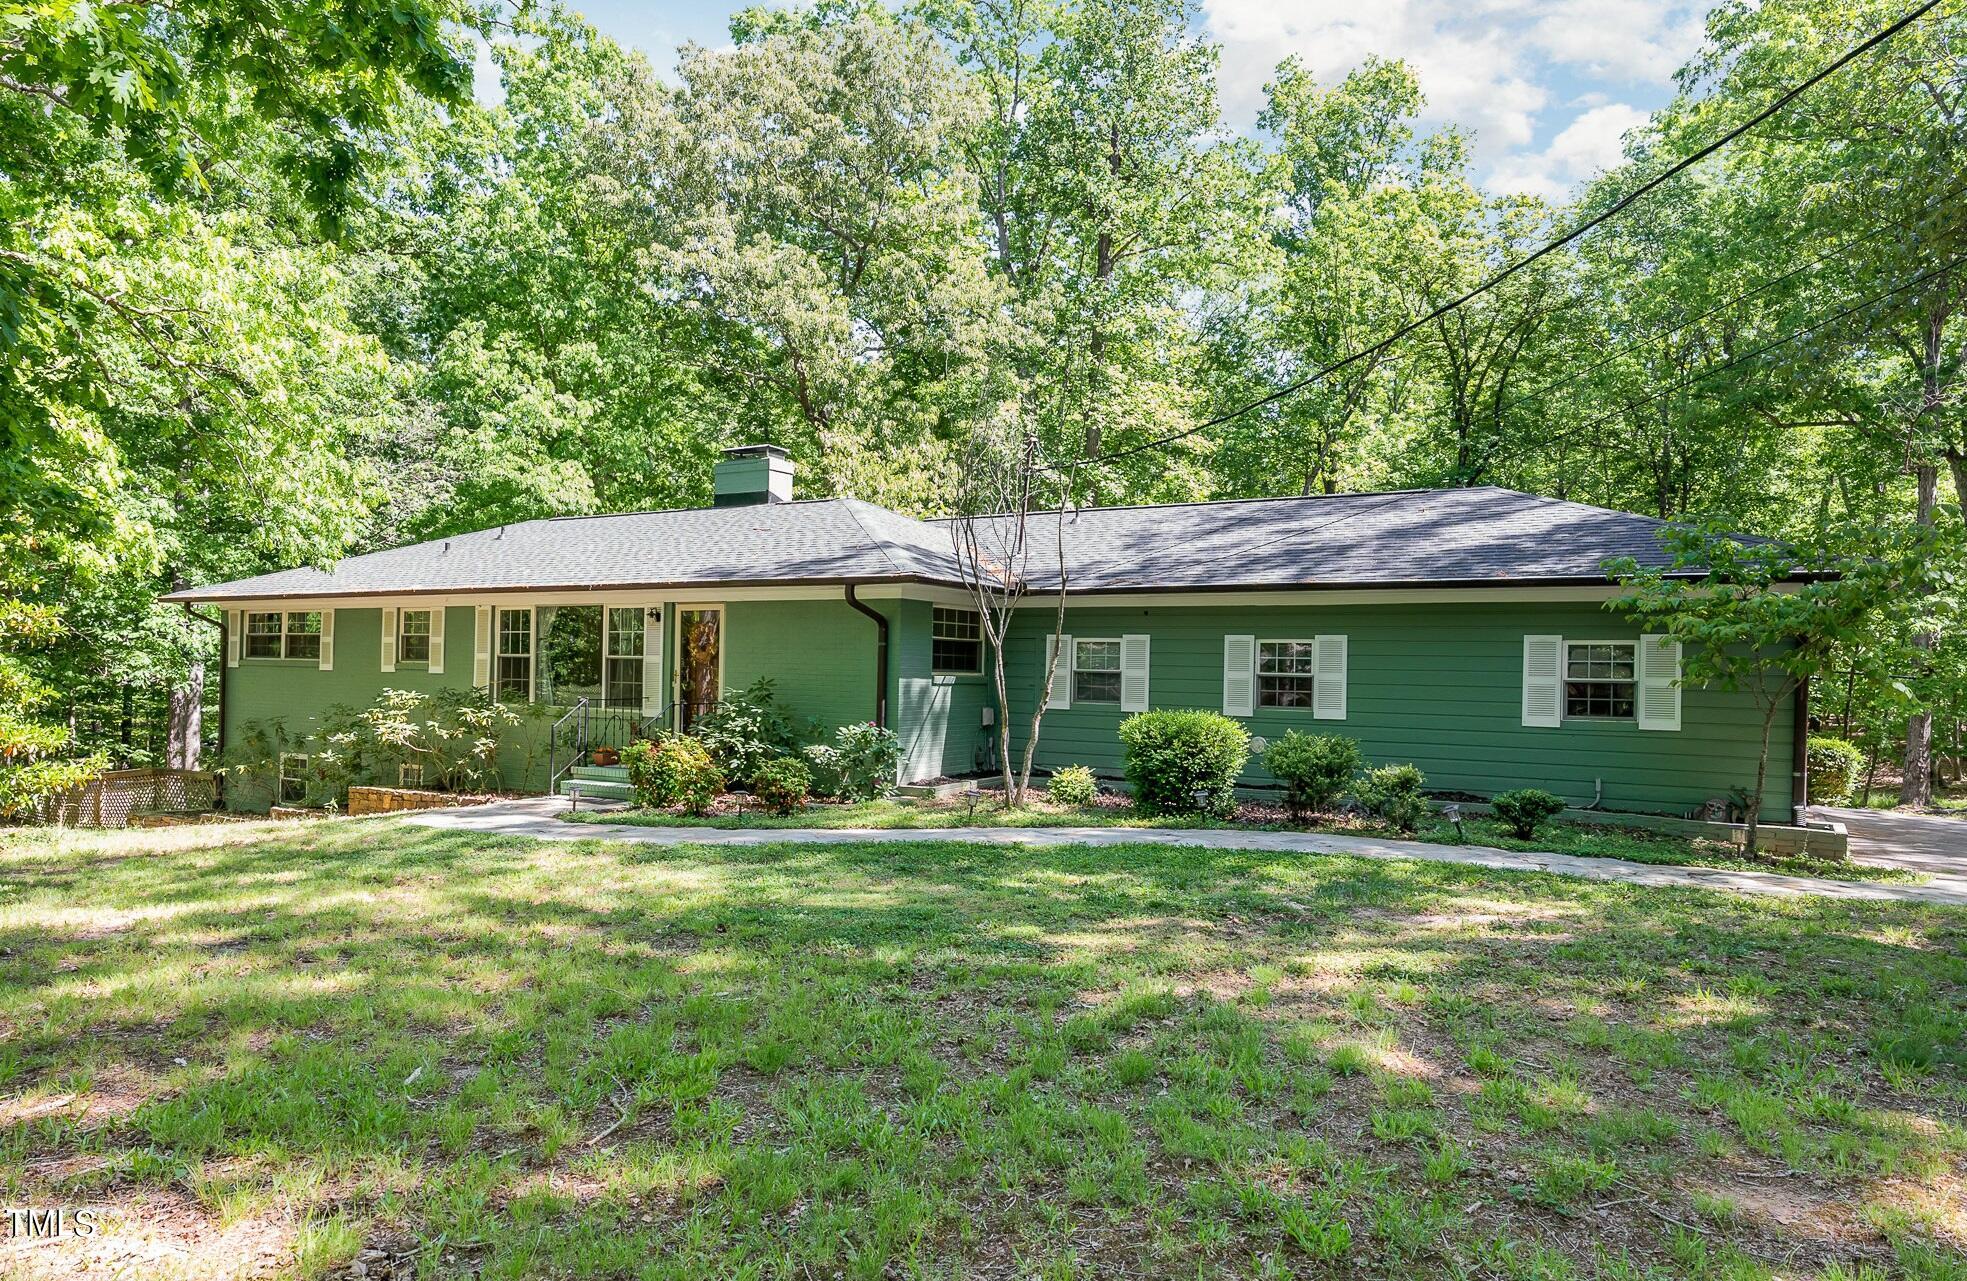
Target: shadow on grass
<point>360,1017</point>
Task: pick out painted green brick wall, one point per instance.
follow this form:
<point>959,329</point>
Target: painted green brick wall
<point>299,695</point>
<point>1440,686</point>
<point>937,716</point>
<point>820,654</point>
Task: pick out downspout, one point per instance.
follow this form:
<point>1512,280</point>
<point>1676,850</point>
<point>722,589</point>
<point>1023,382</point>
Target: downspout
<point>1799,767</point>
<point>880,655</point>
<point>218,784</point>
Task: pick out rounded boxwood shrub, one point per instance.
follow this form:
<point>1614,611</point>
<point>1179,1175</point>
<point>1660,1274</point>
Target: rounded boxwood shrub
<point>1392,795</point>
<point>1072,785</point>
<point>677,770</point>
<point>1524,810</point>
<point>1834,765</point>
<point>1184,762</point>
<point>782,784</point>
<point>1315,769</point>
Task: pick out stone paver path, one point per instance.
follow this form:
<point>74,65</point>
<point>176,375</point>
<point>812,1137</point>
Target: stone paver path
<point>539,817</point>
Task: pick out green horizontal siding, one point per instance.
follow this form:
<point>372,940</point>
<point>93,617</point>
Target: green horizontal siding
<point>1437,685</point>
<point>937,716</point>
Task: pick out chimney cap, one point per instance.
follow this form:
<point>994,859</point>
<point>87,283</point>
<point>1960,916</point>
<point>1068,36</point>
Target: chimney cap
<point>755,451</point>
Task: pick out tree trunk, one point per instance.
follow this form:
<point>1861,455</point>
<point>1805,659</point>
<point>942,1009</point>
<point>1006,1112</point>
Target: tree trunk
<point>1753,819</point>
<point>1957,464</point>
<point>184,726</point>
<point>1917,788</point>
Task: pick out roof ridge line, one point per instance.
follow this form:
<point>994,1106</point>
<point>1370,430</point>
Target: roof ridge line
<point>880,545</point>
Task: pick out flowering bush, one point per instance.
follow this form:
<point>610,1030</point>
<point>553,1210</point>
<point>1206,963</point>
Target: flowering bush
<point>783,784</point>
<point>677,770</point>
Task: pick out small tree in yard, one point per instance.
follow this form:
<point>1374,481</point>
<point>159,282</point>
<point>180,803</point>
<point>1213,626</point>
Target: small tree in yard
<point>1759,618</point>
<point>998,539</point>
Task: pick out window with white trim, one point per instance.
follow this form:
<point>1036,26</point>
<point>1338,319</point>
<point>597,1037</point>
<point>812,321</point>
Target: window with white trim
<point>1287,673</point>
<point>1600,680</point>
<point>625,647</point>
<point>409,774</point>
<point>513,677</point>
<point>956,642</point>
<point>413,636</point>
<point>1096,671</point>
<point>293,778</point>
<point>273,634</point>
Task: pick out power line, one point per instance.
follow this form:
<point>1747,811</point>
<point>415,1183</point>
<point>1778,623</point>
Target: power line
<point>1732,362</point>
<point>1843,247</point>
<point>1781,101</point>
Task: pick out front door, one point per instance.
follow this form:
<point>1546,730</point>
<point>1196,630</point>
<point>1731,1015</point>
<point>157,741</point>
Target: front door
<point>700,661</point>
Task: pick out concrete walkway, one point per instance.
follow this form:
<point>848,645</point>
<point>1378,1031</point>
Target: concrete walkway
<point>1928,843</point>
<point>539,817</point>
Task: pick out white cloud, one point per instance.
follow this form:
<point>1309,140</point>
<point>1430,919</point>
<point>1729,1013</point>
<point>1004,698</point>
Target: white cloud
<point>1491,66</point>
<point>1586,146</point>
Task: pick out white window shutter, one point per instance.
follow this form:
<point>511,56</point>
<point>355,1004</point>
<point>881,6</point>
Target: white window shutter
<point>436,640</point>
<point>1659,683</point>
<point>652,690</point>
<point>327,640</point>
<point>481,650</point>
<point>1239,675</point>
<point>1543,681</point>
<point>389,638</point>
<point>1061,672</point>
<point>233,619</point>
<point>1328,685</point>
<point>1133,673</point>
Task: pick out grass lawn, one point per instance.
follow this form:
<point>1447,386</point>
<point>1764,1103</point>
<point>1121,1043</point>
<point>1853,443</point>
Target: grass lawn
<point>1588,839</point>
<point>286,1047</point>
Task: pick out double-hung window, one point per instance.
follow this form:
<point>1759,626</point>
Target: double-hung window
<point>1287,673</point>
<point>1600,680</point>
<point>273,634</point>
<point>293,778</point>
<point>956,642</point>
<point>513,678</point>
<point>413,636</point>
<point>625,649</point>
<point>1096,671</point>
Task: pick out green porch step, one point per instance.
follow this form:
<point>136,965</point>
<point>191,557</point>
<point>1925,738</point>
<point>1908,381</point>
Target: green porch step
<point>601,773</point>
<point>596,789</point>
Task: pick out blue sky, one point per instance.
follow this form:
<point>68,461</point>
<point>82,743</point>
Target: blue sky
<point>1547,86</point>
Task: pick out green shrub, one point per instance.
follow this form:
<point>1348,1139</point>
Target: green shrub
<point>1391,794</point>
<point>1072,785</point>
<point>746,729</point>
<point>1524,810</point>
<point>859,764</point>
<point>1184,762</point>
<point>783,784</point>
<point>1315,769</point>
<point>677,770</point>
<point>1834,766</point>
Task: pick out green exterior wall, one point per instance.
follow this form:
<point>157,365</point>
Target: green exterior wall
<point>938,716</point>
<point>1437,685</point>
<point>820,655</point>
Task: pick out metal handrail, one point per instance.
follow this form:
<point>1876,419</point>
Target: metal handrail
<point>554,770</point>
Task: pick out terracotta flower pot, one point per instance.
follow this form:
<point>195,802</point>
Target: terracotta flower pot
<point>607,756</point>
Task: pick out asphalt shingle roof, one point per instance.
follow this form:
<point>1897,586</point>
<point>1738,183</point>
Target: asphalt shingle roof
<point>826,540</point>
<point>1410,538</point>
<point>1428,537</point>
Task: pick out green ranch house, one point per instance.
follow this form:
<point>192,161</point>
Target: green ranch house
<point>1463,630</point>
